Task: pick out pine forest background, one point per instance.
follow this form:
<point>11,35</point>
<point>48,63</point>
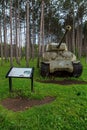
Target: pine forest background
<point>26,26</point>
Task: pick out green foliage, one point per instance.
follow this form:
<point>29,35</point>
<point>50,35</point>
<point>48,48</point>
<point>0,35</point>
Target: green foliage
<point>67,112</point>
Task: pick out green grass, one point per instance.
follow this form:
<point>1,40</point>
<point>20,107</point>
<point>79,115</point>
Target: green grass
<point>67,112</point>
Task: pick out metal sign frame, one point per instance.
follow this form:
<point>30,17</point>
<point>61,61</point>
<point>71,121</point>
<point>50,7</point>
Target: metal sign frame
<point>15,72</point>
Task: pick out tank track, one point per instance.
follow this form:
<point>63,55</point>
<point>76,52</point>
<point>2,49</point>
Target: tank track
<point>77,69</point>
<point>44,69</point>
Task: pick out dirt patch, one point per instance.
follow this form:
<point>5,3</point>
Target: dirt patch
<point>63,82</point>
<point>20,104</point>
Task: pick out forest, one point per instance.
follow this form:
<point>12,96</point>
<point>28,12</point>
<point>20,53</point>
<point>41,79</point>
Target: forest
<point>36,98</point>
<point>26,26</point>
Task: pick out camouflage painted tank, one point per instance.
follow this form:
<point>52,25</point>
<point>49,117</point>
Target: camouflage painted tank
<point>57,60</point>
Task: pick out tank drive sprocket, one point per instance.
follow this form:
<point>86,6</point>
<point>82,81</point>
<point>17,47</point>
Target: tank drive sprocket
<point>77,69</point>
<point>44,69</point>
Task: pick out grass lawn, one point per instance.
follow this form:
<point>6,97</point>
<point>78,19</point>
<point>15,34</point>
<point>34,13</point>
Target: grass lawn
<point>67,112</point>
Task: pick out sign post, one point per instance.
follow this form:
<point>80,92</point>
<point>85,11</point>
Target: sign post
<point>15,72</point>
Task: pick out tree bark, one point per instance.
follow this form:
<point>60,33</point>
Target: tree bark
<point>41,36</point>
<point>11,49</point>
<point>4,28</point>
<point>19,29</point>
<point>16,37</point>
<point>27,35</point>
<point>1,47</point>
<point>42,28</point>
<point>73,31</point>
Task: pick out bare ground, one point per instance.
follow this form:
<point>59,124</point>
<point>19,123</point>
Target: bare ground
<point>21,104</point>
<point>63,82</point>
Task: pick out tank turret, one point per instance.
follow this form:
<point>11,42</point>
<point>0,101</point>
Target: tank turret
<point>57,60</point>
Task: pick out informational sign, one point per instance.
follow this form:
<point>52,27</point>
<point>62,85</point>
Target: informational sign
<point>20,72</point>
<point>15,72</point>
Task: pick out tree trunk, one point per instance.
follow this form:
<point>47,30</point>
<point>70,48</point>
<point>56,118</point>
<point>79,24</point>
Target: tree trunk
<point>39,49</point>
<point>42,17</point>
<point>84,48</point>
<point>27,35</point>
<point>79,41</point>
<point>69,41</point>
<point>4,28</point>
<point>16,37</point>
<point>41,36</point>
<point>1,47</point>
<point>42,28</point>
<point>33,31</point>
<point>73,31</point>
<point>32,42</point>
<point>19,29</point>
<point>73,37</point>
<point>11,49</point>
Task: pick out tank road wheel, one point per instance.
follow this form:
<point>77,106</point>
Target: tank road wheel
<point>77,69</point>
<point>44,69</point>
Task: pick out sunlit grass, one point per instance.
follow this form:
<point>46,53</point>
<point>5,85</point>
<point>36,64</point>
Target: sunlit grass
<point>67,112</point>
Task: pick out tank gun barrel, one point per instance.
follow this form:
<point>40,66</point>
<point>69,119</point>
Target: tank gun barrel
<point>68,28</point>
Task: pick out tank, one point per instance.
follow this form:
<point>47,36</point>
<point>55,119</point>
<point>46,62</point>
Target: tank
<point>57,60</point>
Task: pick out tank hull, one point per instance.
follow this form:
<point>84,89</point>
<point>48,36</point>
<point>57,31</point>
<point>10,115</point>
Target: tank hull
<point>63,72</point>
